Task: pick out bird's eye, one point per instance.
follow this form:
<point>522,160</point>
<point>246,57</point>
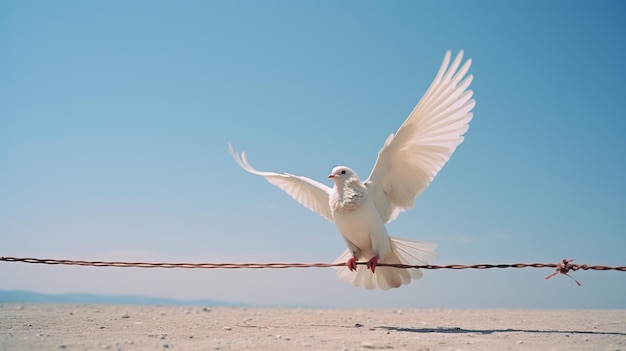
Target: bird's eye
<point>343,172</point>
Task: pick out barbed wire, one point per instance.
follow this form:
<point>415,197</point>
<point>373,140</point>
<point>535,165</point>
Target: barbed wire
<point>563,267</point>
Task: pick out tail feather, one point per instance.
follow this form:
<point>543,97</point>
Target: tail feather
<point>402,251</point>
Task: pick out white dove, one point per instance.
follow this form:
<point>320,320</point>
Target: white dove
<point>407,163</point>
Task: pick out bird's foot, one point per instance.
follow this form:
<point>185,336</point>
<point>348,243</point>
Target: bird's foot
<point>351,264</point>
<point>371,264</point>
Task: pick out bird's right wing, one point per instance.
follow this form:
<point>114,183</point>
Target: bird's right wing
<point>412,157</point>
<point>310,193</point>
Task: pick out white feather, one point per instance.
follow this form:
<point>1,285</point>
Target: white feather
<point>313,195</point>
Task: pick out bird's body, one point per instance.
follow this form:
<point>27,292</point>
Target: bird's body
<point>357,219</point>
<point>366,236</point>
<point>406,164</point>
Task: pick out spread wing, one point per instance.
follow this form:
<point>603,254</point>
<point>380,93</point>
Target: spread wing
<point>313,195</point>
<point>410,159</point>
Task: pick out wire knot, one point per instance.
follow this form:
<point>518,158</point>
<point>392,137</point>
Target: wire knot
<point>564,267</point>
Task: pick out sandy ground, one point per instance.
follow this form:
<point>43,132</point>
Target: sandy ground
<point>103,327</point>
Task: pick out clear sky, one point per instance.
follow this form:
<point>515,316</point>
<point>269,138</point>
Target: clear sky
<point>115,118</point>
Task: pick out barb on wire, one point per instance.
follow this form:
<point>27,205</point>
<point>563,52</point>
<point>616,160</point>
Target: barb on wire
<point>563,267</point>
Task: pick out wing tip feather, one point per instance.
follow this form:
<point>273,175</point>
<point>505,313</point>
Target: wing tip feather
<point>242,160</point>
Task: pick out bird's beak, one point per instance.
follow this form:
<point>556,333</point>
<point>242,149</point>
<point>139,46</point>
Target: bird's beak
<point>331,176</point>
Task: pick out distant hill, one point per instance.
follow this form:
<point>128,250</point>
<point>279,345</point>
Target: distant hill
<point>7,296</point>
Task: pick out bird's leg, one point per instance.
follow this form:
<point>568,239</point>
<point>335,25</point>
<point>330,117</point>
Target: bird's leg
<point>351,264</point>
<point>371,264</point>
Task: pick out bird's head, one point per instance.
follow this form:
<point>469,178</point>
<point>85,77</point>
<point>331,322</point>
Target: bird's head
<point>342,174</point>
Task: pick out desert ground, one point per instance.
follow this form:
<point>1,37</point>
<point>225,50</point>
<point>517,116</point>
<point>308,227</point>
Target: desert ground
<point>129,327</point>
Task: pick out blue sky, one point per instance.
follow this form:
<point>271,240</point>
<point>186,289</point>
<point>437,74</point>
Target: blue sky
<point>115,118</point>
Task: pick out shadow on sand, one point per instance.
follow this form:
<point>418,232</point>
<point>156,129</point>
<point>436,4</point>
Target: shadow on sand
<point>494,331</point>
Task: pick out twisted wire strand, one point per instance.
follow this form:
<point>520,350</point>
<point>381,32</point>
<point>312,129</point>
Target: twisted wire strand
<point>563,267</point>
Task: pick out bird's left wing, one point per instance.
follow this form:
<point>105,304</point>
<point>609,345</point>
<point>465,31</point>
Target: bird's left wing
<point>412,157</point>
<point>310,193</point>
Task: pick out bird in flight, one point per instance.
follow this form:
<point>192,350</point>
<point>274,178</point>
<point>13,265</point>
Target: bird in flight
<point>406,164</point>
